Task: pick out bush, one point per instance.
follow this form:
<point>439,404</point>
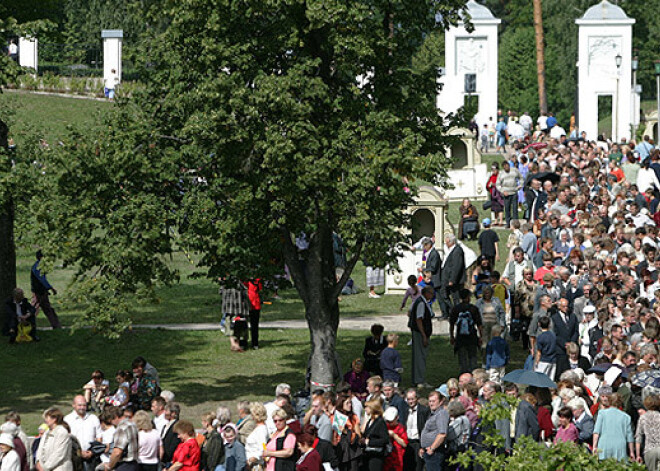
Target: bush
<point>528,454</point>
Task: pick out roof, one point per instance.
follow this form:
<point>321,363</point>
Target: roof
<point>478,12</point>
<point>605,11</point>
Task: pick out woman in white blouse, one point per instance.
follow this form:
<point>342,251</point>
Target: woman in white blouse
<point>256,441</point>
<point>54,453</point>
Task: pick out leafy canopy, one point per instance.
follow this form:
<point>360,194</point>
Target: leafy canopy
<point>260,120</point>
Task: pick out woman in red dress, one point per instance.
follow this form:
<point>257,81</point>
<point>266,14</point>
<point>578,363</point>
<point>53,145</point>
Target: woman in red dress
<point>398,438</point>
<point>187,454</point>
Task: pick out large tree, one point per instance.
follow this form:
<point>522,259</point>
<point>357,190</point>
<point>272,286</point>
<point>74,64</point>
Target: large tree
<point>261,121</point>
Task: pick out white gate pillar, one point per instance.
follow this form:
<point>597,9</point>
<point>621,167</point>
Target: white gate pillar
<point>604,68</point>
<point>112,43</point>
<point>28,55</point>
<point>471,53</point>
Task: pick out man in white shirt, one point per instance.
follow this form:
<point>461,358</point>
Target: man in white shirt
<point>557,132</point>
<point>414,421</point>
<point>526,123</point>
<point>111,83</point>
<point>158,408</point>
<point>85,427</point>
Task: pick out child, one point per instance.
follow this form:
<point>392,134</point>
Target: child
<point>121,396</point>
<point>546,344</point>
<point>484,139</point>
<point>390,360</point>
<point>106,437</point>
<point>96,390</point>
<point>413,291</point>
<point>497,354</point>
<point>426,281</point>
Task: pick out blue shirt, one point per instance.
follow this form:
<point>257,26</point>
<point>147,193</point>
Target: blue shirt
<point>38,278</point>
<point>497,353</point>
<point>546,343</point>
<point>390,361</point>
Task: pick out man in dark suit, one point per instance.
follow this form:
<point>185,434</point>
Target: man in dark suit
<point>168,435</point>
<point>566,330</point>
<point>452,277</point>
<point>433,264</point>
<point>18,310</point>
<point>532,199</point>
<point>413,420</point>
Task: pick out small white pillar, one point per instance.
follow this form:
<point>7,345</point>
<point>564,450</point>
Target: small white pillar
<point>28,52</point>
<point>112,42</point>
<point>471,53</point>
<point>605,32</point>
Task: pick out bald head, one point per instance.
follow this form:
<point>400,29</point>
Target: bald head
<point>80,405</point>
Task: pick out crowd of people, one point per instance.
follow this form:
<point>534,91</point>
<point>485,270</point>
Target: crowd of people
<point>579,288</point>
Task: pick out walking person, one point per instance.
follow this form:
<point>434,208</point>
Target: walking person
<point>40,288</point>
<point>452,276</point>
<point>465,332</point>
<point>509,181</point>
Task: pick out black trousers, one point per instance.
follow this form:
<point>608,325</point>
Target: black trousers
<point>411,459</point>
<point>254,326</point>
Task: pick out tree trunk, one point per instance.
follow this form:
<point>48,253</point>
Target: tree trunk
<point>7,247</point>
<point>540,55</point>
<point>314,278</point>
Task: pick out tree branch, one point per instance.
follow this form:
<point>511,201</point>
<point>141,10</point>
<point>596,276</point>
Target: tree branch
<point>336,291</point>
<point>291,257</point>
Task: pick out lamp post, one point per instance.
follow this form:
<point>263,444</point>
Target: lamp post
<point>634,65</point>
<point>615,128</point>
<point>657,86</point>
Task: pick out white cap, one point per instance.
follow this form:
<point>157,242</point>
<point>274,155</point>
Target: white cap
<point>611,375</point>
<point>9,428</point>
<point>588,309</point>
<point>391,413</point>
<point>6,439</point>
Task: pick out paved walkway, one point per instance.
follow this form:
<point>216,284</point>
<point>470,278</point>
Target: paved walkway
<point>392,323</point>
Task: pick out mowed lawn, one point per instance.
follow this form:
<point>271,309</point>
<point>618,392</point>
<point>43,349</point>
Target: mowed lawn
<point>197,366</point>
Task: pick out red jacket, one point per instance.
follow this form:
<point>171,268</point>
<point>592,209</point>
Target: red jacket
<point>254,287</point>
<point>311,462</point>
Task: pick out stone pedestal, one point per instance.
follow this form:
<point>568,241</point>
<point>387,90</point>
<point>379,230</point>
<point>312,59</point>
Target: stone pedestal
<point>429,217</point>
<point>605,32</point>
<point>471,53</point>
<point>468,174</point>
<point>28,53</point>
<point>112,43</point>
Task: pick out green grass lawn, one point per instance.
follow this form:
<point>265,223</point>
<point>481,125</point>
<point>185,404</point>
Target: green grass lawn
<point>49,116</point>
<point>197,366</point>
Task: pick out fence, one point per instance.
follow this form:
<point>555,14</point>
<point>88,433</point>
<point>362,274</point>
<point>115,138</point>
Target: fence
<point>79,60</point>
